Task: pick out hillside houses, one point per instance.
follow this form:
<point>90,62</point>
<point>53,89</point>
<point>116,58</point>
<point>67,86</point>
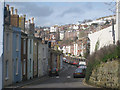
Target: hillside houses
<point>87,37</point>
<point>75,38</point>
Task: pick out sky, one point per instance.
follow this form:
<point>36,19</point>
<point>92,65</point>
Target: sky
<point>60,13</point>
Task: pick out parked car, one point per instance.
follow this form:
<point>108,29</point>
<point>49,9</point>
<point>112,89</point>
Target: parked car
<point>64,59</point>
<point>67,61</point>
<point>79,72</point>
<point>82,66</point>
<point>53,72</point>
<point>71,62</point>
<point>81,63</point>
<point>75,63</point>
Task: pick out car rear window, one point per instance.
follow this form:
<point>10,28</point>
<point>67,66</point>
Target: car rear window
<point>78,70</point>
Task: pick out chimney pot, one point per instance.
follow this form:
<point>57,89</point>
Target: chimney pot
<point>32,19</point>
<point>7,7</point>
<point>16,11</point>
<point>12,10</point>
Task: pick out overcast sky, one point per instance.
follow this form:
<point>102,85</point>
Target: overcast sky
<point>51,13</point>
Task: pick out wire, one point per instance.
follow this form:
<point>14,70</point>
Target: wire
<point>112,6</point>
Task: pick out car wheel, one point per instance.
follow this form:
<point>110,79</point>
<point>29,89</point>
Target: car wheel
<point>74,76</point>
<point>57,74</point>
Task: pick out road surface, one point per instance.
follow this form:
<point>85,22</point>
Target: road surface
<point>64,80</point>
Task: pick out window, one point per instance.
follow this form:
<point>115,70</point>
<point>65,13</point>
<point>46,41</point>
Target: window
<point>16,66</point>
<point>30,46</point>
<point>24,66</point>
<point>7,41</point>
<point>35,48</point>
<point>6,69</point>
<point>17,42</point>
<point>24,47</point>
<point>30,65</point>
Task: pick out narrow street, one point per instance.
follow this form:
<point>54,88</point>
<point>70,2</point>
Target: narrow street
<point>64,80</point>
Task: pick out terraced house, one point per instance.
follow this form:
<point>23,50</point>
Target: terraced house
<point>30,49</point>
<point>35,57</point>
<point>24,44</point>
<point>12,48</point>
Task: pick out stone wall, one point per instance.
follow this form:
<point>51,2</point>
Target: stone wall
<point>106,75</point>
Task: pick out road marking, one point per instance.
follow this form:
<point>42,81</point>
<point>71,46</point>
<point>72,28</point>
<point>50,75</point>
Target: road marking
<point>57,77</point>
<point>68,76</point>
<point>73,66</point>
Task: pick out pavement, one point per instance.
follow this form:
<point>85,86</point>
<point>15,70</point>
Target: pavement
<point>27,82</point>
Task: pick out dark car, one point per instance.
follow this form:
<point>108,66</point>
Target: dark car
<point>53,72</point>
<point>79,72</point>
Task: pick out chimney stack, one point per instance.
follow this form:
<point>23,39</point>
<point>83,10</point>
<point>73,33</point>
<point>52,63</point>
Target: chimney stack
<point>12,10</point>
<point>32,19</point>
<point>7,7</point>
<point>15,11</point>
<point>29,21</point>
<point>24,16</point>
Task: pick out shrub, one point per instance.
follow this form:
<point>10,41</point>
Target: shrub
<point>106,53</point>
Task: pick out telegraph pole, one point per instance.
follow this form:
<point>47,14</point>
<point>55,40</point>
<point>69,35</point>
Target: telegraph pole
<point>113,31</point>
<point>117,32</point>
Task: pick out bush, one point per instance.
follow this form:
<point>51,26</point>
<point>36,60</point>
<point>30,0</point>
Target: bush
<point>106,53</point>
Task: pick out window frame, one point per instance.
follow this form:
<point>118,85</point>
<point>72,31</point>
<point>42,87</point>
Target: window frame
<point>17,66</point>
<point>24,46</point>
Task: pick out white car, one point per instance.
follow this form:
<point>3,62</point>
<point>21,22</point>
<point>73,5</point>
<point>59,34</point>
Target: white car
<point>82,62</point>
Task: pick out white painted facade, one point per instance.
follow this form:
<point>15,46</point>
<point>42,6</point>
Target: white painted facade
<point>42,59</point>
<point>102,20</point>
<point>46,29</point>
<point>61,35</point>
<point>30,58</point>
<point>66,49</point>
<point>53,29</point>
<point>40,66</point>
<point>75,27</point>
<point>75,49</point>
<point>104,37</point>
